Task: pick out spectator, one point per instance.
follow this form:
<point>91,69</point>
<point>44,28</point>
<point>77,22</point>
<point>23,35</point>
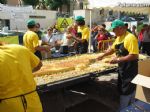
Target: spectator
<point>74,29</point>
<point>107,32</point>
<point>67,41</point>
<point>94,40</point>
<point>38,31</point>
<point>140,37</point>
<point>146,41</point>
<point>126,25</point>
<point>49,39</point>
<point>134,32</point>
<point>100,37</point>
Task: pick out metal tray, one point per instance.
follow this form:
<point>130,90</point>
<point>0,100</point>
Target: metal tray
<point>72,81</point>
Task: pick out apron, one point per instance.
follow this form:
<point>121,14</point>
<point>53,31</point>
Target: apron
<point>28,102</point>
<point>126,72</point>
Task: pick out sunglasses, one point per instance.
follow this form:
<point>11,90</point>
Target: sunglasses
<point>37,26</point>
<point>49,30</point>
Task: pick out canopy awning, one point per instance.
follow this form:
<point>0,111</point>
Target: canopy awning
<point>133,6</point>
<point>141,10</point>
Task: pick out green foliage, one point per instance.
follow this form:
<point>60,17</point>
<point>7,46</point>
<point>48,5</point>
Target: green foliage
<point>54,4</point>
<point>67,2</point>
<point>139,27</point>
<point>3,1</point>
<point>30,2</point>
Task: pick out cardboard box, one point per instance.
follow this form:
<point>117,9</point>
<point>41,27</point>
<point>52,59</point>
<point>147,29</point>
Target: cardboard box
<point>143,81</point>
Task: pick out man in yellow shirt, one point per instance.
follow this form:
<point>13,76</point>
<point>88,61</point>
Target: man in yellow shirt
<point>31,39</point>
<point>82,46</point>
<point>17,86</point>
<point>126,49</point>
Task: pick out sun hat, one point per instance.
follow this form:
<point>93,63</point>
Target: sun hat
<point>31,22</point>
<point>116,23</point>
<point>79,18</point>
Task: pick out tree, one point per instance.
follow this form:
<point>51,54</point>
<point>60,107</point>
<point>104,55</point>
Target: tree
<point>31,2</point>
<point>3,1</point>
<point>55,4</point>
<point>85,3</point>
<point>41,5</point>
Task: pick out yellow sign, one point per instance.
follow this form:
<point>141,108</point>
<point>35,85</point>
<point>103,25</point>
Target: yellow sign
<point>10,39</point>
<point>63,23</point>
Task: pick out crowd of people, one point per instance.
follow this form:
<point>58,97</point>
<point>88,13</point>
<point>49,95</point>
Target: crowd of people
<point>17,86</point>
<point>75,38</point>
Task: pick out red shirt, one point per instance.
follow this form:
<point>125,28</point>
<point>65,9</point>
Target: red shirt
<point>101,37</point>
<point>140,36</point>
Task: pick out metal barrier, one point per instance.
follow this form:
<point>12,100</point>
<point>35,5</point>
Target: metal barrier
<point>105,44</point>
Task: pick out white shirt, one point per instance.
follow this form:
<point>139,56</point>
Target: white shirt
<point>50,39</point>
<point>66,41</point>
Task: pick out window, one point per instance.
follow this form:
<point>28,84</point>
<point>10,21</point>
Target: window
<point>37,17</point>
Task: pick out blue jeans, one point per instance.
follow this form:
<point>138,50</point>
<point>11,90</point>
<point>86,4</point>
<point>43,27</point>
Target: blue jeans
<point>126,100</point>
<point>138,106</point>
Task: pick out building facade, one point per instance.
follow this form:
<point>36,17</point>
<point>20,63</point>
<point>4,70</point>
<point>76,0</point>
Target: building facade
<point>14,2</point>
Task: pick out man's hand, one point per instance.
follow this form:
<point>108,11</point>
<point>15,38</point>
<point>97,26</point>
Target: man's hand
<point>38,67</point>
<point>99,57</point>
<point>58,42</point>
<point>69,36</point>
<point>108,52</point>
<point>115,60</point>
<point>46,48</point>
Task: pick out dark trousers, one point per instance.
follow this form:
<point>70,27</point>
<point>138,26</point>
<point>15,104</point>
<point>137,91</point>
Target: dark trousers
<point>95,44</point>
<point>38,54</point>
<point>146,48</point>
<point>64,49</point>
<point>82,47</point>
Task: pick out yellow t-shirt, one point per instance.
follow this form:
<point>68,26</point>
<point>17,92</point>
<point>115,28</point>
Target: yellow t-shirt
<point>16,64</point>
<point>16,78</point>
<point>31,40</point>
<point>130,43</point>
<point>85,32</point>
